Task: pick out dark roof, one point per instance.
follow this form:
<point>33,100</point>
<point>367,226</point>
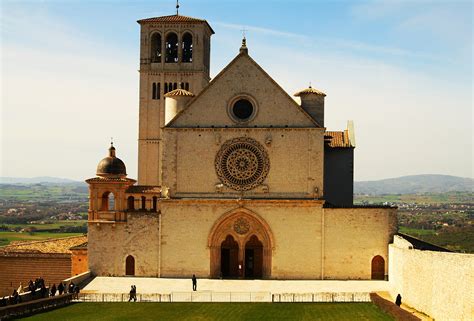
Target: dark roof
<point>174,19</point>
<point>82,246</point>
<point>329,205</point>
<point>144,189</point>
<point>338,139</point>
<point>111,166</point>
<point>422,245</point>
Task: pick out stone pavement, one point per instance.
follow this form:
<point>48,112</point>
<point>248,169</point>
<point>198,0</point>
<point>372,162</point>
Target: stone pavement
<point>167,285</point>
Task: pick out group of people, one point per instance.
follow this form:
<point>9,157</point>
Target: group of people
<point>133,294</point>
<point>38,286</point>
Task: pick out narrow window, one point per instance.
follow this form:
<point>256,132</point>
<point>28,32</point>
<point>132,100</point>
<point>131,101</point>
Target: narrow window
<point>155,200</point>
<point>171,48</point>
<point>158,91</point>
<point>186,86</point>
<point>175,86</point>
<point>131,203</point>
<point>153,96</point>
<point>143,203</point>
<point>156,47</point>
<point>187,47</point>
<point>166,87</point>
<point>181,85</point>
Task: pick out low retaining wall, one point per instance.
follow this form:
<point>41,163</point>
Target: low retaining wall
<point>22,309</point>
<point>439,284</point>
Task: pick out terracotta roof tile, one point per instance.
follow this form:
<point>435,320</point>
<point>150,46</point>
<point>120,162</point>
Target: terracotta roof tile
<point>179,92</point>
<point>174,19</point>
<point>338,139</point>
<point>60,245</point>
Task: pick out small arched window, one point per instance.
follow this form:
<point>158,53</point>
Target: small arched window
<point>186,86</point>
<point>175,86</point>
<point>156,47</point>
<point>131,203</point>
<point>171,48</point>
<point>143,203</point>
<point>187,47</point>
<point>108,202</point>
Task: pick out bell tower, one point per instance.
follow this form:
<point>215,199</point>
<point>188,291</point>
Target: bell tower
<point>174,54</point>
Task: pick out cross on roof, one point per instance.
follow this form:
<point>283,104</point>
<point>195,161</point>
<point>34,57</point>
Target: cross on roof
<point>243,32</point>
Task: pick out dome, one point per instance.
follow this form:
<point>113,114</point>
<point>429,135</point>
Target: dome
<point>310,91</point>
<point>111,166</point>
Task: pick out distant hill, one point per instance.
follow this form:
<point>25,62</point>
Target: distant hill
<point>36,180</point>
<point>415,184</point>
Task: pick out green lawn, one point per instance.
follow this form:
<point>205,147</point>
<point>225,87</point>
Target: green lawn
<point>7,237</point>
<point>215,311</point>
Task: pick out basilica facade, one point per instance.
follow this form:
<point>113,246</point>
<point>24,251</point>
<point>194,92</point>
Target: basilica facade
<point>235,178</point>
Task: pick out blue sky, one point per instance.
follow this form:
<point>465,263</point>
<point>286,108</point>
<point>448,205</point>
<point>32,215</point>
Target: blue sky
<point>402,70</point>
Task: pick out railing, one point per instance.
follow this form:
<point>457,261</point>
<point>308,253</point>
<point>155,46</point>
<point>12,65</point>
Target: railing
<point>31,307</point>
<point>210,296</point>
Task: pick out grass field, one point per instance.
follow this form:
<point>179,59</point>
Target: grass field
<point>49,225</point>
<point>215,311</point>
<point>7,237</point>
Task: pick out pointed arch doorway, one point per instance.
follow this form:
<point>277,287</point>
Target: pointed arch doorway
<point>241,245</point>
<point>229,258</point>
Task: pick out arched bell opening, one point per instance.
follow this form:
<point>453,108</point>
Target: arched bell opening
<point>171,46</point>
<point>107,202</point>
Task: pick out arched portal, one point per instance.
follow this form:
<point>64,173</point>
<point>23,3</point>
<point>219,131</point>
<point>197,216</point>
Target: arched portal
<point>253,258</point>
<point>130,265</point>
<point>254,242</point>
<point>378,268</point>
<point>229,258</point>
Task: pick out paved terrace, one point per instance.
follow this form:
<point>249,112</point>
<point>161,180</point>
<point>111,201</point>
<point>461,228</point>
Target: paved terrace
<point>165,285</point>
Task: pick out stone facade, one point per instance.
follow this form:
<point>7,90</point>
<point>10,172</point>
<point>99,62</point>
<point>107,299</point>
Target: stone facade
<point>234,186</point>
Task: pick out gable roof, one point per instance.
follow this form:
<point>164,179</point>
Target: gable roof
<point>241,55</point>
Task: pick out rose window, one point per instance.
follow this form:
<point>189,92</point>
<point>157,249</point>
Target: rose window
<point>242,163</point>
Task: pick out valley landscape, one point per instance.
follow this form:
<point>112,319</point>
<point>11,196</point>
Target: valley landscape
<point>438,209</point>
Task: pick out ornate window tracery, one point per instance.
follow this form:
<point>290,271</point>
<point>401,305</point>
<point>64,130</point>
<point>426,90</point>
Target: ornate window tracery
<point>242,163</point>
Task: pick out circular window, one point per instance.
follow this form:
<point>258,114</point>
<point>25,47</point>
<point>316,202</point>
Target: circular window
<point>242,109</point>
<point>242,164</point>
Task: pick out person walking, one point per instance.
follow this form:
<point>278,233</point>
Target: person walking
<point>53,290</point>
<point>398,300</point>
<point>194,282</point>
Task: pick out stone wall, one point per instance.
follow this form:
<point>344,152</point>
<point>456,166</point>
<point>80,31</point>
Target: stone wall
<point>23,267</point>
<point>109,244</point>
<point>439,284</point>
<point>353,237</point>
<point>348,242</point>
<point>189,156</point>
